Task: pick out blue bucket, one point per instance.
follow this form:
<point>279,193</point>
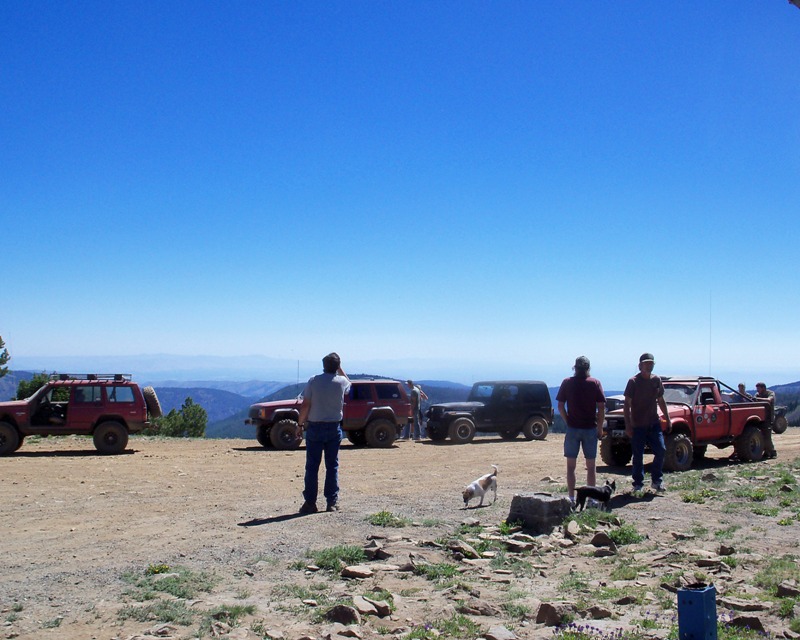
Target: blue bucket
<point>697,612</point>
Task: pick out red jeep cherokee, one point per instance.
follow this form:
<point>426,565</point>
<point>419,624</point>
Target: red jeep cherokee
<point>105,406</point>
<point>375,412</point>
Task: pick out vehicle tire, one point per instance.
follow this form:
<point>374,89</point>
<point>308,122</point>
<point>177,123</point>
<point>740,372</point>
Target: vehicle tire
<point>9,439</point>
<point>462,430</point>
<point>151,400</point>
<point>436,432</point>
<point>262,435</point>
<point>679,453</point>
<point>358,438</point>
<point>510,434</point>
<point>380,433</point>
<point>779,424</point>
<point>750,445</point>
<point>700,451</point>
<point>283,435</point>
<point>615,453</point>
<point>110,438</point>
<point>535,429</point>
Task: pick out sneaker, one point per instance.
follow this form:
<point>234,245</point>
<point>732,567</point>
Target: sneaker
<point>637,488</point>
<point>309,507</point>
<point>332,507</point>
<point>658,487</point>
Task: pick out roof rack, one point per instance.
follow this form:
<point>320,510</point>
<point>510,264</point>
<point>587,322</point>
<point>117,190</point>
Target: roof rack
<point>116,377</point>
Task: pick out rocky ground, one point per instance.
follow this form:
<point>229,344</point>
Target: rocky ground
<point>191,538</point>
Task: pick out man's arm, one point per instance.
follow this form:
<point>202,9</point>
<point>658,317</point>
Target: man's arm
<point>422,394</point>
<point>601,416</point>
<point>562,411</point>
<point>304,409</point>
<point>628,419</point>
<point>665,410</point>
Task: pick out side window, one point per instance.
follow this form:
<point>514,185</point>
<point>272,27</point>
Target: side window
<point>482,391</point>
<point>507,393</point>
<point>387,391</point>
<point>87,395</point>
<point>361,392</point>
<point>119,394</point>
<point>535,394</point>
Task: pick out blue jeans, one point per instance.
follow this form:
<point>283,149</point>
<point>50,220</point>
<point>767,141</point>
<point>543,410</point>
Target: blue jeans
<point>577,438</point>
<point>652,436</point>
<point>418,426</point>
<point>322,438</point>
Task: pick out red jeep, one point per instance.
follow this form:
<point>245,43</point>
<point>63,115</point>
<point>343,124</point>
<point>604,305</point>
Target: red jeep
<point>375,412</point>
<point>703,411</point>
<point>105,406</point>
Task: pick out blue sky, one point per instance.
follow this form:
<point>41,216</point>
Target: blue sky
<point>476,189</point>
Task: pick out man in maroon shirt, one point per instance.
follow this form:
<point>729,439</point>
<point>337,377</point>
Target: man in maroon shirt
<point>582,406</point>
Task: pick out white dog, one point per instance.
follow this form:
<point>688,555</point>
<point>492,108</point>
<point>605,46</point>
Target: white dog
<point>480,487</point>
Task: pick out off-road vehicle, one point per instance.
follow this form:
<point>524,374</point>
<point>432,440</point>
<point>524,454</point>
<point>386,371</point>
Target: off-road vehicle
<point>703,412</point>
<point>505,407</point>
<point>375,412</point>
<point>105,406</point>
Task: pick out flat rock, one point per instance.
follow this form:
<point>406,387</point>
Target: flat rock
<point>357,571</point>
<point>499,632</point>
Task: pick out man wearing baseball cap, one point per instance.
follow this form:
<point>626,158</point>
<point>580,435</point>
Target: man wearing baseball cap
<point>644,394</point>
<point>582,406</point>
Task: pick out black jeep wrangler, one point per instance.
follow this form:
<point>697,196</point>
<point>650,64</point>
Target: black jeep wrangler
<point>506,407</point>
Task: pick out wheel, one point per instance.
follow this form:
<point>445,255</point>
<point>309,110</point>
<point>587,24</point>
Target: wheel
<point>110,438</point>
<point>535,429</point>
<point>380,433</point>
<point>780,424</point>
<point>9,439</point>
<point>750,445</point>
<point>615,453</point>
<point>679,452</point>
<point>283,434</point>
<point>357,438</point>
<point>262,435</point>
<point>509,434</point>
<point>436,432</point>
<point>151,400</point>
<point>700,451</point>
<point>462,430</point>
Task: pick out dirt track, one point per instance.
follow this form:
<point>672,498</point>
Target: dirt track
<point>74,522</point>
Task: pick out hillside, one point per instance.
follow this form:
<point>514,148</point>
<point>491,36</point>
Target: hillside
<point>218,404</point>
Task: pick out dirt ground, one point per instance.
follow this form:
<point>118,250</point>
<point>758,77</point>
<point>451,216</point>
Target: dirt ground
<point>74,523</point>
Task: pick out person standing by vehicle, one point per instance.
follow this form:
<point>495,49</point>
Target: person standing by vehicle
<point>416,395</point>
<point>644,394</point>
<point>582,406</point>
<point>762,393</point>
<point>322,413</point>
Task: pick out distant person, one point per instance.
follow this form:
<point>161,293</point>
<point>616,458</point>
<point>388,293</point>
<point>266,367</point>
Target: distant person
<point>416,395</point>
<point>322,413</point>
<point>644,394</point>
<point>762,393</point>
<point>744,396</point>
<point>582,406</point>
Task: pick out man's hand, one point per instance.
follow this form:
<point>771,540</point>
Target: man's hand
<point>629,431</point>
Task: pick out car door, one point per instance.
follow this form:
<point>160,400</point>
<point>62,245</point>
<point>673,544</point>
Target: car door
<point>711,415</point>
<point>507,412</point>
<point>85,403</point>
<point>358,403</point>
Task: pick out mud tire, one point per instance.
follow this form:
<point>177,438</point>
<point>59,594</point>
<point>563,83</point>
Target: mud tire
<point>535,429</point>
<point>283,435</point>
<point>679,453</point>
<point>357,438</point>
<point>151,400</point>
<point>750,445</point>
<point>780,424</point>
<point>510,434</point>
<point>262,435</point>
<point>380,433</point>
<point>462,430</point>
<point>9,439</point>
<point>615,453</point>
<point>110,438</point>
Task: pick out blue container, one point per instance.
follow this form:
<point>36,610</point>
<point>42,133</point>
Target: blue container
<point>697,612</point>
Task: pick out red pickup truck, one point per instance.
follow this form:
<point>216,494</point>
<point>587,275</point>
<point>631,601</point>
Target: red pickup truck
<point>703,412</point>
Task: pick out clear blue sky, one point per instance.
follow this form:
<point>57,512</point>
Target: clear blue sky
<point>483,187</point>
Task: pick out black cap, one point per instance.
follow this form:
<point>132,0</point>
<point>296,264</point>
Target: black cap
<point>582,363</point>
<point>646,357</point>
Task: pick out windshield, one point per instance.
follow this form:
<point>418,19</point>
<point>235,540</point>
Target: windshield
<point>683,393</point>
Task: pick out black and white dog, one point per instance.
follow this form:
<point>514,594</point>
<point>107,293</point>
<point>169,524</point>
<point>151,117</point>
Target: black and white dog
<point>601,494</point>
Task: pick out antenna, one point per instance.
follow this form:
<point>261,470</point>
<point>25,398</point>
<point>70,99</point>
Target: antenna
<point>298,371</point>
<point>709,332</point>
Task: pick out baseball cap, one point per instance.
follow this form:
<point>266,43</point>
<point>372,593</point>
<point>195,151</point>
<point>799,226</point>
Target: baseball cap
<point>646,357</point>
<point>582,362</point>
